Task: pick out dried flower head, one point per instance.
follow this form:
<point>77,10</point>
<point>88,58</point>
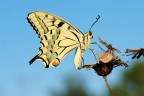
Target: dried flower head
<point>106,61</point>
<point>137,53</point>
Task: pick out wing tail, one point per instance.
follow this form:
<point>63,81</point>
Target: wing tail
<point>37,57</point>
<point>33,59</point>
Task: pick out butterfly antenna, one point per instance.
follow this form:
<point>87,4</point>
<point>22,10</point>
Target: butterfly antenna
<point>95,22</point>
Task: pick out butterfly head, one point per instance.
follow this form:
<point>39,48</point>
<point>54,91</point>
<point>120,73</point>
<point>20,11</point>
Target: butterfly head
<point>90,34</point>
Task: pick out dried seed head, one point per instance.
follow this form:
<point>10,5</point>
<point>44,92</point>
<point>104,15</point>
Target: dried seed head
<point>107,60</point>
<point>103,69</point>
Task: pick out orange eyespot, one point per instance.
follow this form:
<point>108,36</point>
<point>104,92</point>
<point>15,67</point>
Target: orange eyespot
<point>55,63</point>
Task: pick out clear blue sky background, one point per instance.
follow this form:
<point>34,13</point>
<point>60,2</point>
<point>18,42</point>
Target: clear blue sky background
<point>121,24</point>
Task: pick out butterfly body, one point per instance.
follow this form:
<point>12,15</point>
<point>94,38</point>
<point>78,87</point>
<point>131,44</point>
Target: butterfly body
<point>57,38</point>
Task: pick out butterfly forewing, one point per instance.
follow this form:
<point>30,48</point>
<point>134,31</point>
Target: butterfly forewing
<point>57,38</point>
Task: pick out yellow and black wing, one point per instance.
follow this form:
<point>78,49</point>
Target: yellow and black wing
<point>57,37</point>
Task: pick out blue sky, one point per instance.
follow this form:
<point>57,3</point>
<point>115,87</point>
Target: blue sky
<point>121,24</point>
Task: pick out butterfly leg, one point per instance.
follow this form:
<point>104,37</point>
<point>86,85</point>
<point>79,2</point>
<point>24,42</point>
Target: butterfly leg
<point>88,67</point>
<point>92,50</point>
<point>82,62</point>
<point>98,45</point>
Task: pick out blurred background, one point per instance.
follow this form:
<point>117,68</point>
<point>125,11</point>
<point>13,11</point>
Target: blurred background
<point>121,24</point>
<point>132,84</point>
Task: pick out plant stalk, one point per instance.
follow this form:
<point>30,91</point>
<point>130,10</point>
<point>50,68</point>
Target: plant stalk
<point>107,84</point>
